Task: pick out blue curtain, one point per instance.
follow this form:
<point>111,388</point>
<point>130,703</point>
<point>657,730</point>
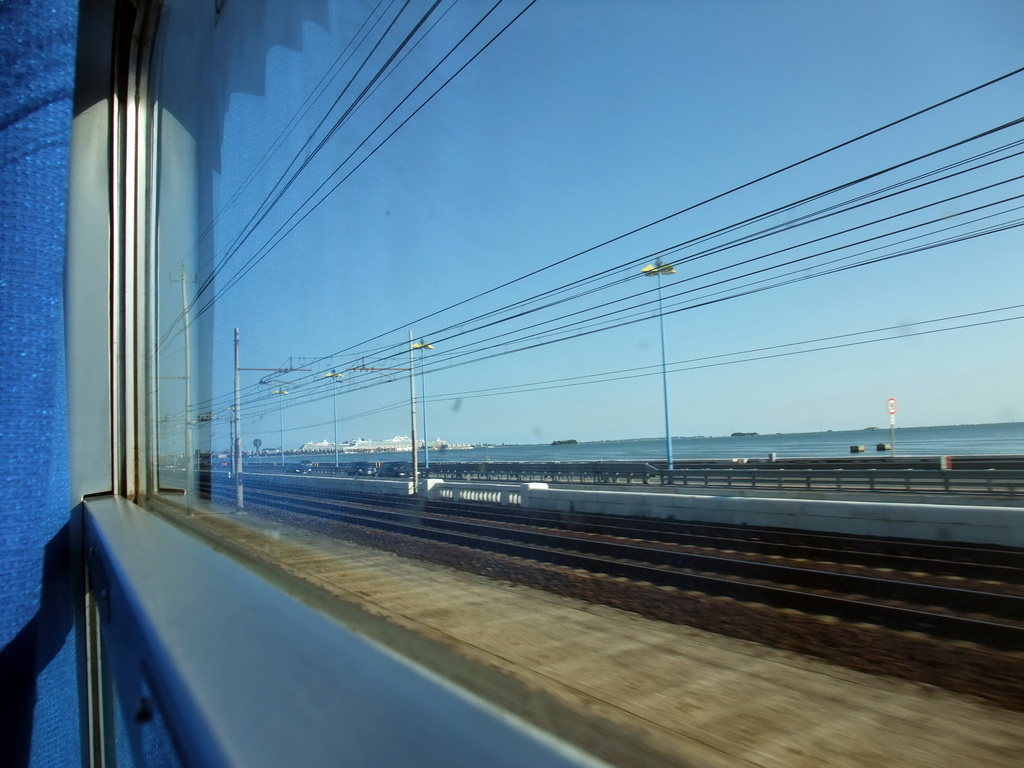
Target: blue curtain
<point>39,713</point>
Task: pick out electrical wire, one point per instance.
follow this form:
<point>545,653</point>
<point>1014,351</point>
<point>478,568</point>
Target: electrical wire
<point>436,334</point>
<point>574,327</point>
<point>705,201</point>
<point>295,219</point>
<point>838,146</point>
<point>336,66</point>
<point>684,366</point>
<point>283,184</point>
<point>441,339</point>
<point>735,189</point>
<point>752,290</point>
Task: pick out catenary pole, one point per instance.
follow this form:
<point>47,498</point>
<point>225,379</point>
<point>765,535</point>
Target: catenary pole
<point>656,270</point>
<point>189,451</point>
<point>423,396</point>
<point>412,409</point>
<point>664,381</point>
<point>239,491</point>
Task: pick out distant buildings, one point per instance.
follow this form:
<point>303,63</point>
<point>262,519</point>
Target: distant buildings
<point>394,445</point>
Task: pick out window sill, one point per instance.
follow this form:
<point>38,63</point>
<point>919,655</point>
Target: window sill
<point>246,674</point>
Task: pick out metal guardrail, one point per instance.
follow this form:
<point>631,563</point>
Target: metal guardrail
<point>913,475</point>
<point>763,477</point>
<point>985,481</point>
<point>553,472</point>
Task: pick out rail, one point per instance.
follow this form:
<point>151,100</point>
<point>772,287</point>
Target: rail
<point>975,615</point>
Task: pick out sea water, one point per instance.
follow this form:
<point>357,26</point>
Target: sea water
<point>960,440</point>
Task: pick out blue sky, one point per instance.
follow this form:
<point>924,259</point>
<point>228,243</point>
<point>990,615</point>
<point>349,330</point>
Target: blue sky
<point>582,122</point>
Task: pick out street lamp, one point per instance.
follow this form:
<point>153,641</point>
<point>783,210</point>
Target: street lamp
<point>335,376</point>
<point>422,345</point>
<point>657,269</point>
<point>412,414</point>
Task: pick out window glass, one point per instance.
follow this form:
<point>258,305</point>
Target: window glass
<point>654,233</point>
<point>334,177</point>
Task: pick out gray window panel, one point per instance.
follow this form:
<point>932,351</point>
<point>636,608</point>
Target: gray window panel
<point>246,675</point>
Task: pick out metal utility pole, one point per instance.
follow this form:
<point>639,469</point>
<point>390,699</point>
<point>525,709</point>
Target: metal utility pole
<point>334,402</point>
<point>334,376</point>
<point>657,270</point>
<point>426,434</point>
<point>280,416</point>
<point>422,345</point>
<point>412,408</point>
<point>189,454</point>
<point>664,380</point>
<point>239,492</point>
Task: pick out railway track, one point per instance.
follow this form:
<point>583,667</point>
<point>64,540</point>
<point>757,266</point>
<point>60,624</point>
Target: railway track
<point>960,593</point>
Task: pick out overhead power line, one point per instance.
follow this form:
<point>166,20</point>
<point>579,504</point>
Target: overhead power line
<point>271,243</point>
<point>289,177</point>
<point>336,66</point>
<point>732,227</point>
<point>385,350</point>
<point>534,341</point>
<point>704,202</point>
<point>610,319</point>
<point>751,355</point>
<point>461,330</point>
<point>297,216</point>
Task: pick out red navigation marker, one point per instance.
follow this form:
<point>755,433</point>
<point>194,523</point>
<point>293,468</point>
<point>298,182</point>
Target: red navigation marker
<point>892,406</point>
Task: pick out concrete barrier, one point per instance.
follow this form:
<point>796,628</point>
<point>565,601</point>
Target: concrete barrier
<point>1003,526</point>
<point>379,486</point>
<point>932,522</point>
<point>505,494</point>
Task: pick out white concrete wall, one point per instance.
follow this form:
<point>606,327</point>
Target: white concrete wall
<point>488,493</point>
<point>379,486</point>
<point>1002,526</point>
<point>935,522</point>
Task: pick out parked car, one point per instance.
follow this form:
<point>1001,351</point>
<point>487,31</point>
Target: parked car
<point>395,469</point>
<point>361,468</point>
<point>304,467</point>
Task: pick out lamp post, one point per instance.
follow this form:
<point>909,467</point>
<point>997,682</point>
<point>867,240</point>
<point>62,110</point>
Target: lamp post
<point>412,413</point>
<point>422,345</point>
<point>656,270</point>
<point>236,446</point>
<point>335,376</point>
<point>190,458</point>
